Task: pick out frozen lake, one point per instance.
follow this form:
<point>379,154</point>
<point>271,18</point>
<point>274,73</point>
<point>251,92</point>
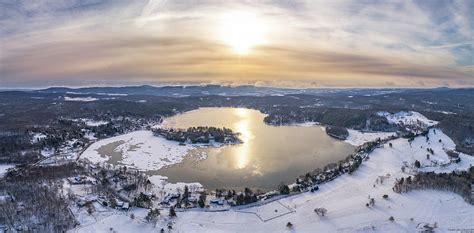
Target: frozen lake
<point>268,156</point>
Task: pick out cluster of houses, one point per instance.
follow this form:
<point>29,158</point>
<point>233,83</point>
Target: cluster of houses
<point>120,205</point>
<point>172,198</point>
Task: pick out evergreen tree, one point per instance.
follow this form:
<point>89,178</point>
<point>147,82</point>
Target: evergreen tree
<point>172,212</point>
<point>417,164</point>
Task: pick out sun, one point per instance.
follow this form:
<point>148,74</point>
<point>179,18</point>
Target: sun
<point>241,31</point>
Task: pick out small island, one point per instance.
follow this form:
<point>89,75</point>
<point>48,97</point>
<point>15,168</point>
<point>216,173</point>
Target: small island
<point>201,134</point>
<point>337,132</point>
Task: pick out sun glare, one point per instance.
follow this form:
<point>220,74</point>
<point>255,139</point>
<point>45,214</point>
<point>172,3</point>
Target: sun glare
<point>242,31</point>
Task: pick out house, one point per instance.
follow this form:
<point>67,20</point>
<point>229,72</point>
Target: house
<point>192,199</point>
<point>125,206</point>
<point>168,197</point>
<point>81,203</point>
<point>214,201</point>
<point>120,204</point>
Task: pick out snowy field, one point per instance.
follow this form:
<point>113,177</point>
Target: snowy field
<point>141,150</point>
<point>80,99</point>
<point>90,122</point>
<point>269,211</point>
<point>345,199</point>
<point>162,186</point>
<point>357,138</point>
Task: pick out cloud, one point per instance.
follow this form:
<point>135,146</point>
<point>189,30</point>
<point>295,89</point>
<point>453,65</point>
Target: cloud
<point>337,43</point>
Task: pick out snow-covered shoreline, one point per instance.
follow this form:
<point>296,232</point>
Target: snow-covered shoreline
<point>344,198</point>
<point>141,150</point>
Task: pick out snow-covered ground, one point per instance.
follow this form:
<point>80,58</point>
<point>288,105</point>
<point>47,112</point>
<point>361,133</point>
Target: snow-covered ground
<point>440,143</point>
<point>81,99</point>
<point>93,123</point>
<point>37,137</point>
<point>407,118</point>
<point>141,150</point>
<point>345,199</point>
<point>47,152</point>
<point>162,186</point>
<point>4,168</point>
<point>357,138</point>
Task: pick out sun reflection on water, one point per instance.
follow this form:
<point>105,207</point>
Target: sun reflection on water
<point>243,127</point>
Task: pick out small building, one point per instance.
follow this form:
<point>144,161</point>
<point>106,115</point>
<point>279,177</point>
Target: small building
<point>81,203</point>
<point>214,201</point>
<point>125,206</point>
<point>192,199</point>
<point>120,204</point>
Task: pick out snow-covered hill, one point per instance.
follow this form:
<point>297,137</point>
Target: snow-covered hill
<point>407,118</point>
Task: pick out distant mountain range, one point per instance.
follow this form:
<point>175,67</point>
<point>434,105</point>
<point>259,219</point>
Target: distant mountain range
<point>223,90</point>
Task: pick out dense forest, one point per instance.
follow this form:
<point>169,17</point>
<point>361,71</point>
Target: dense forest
<point>201,134</point>
<point>32,200</point>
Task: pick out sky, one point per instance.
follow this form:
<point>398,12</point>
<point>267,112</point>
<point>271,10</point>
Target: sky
<point>364,43</point>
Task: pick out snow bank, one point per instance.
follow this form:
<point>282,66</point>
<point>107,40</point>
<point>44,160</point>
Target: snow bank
<point>80,99</point>
<point>141,150</point>
<point>407,118</point>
